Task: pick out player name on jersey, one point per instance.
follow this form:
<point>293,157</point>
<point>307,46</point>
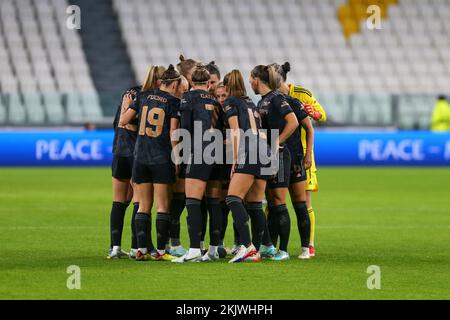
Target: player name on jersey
<point>156,98</point>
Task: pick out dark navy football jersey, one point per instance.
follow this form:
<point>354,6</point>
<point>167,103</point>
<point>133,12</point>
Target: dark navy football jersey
<point>249,121</point>
<point>199,105</point>
<point>156,108</point>
<point>125,137</point>
<point>273,108</point>
<point>294,142</point>
<point>245,110</point>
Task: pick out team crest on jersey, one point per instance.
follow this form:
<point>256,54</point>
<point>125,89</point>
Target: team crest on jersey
<point>265,103</point>
<point>285,104</point>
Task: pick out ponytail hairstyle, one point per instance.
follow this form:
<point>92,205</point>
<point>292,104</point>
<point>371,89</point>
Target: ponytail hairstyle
<point>185,65</point>
<point>200,75</point>
<point>234,82</point>
<point>283,69</point>
<point>154,74</point>
<point>268,75</point>
<point>213,69</point>
<point>170,75</point>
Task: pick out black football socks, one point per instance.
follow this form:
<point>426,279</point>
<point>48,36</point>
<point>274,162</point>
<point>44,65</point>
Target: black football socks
<point>236,235</point>
<point>133,226</point>
<point>204,210</point>
<point>240,218</point>
<point>256,213</point>
<point>225,211</point>
<point>162,230</point>
<point>177,207</point>
<point>118,210</point>
<point>194,221</point>
<point>143,230</point>
<point>273,223</point>
<point>303,222</point>
<point>266,240</point>
<point>285,225</point>
<point>215,221</point>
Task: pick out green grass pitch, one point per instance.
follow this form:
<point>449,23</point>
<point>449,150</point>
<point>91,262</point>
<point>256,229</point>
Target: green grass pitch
<point>395,218</point>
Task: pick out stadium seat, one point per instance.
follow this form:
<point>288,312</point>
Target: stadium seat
<point>53,105</point>
<point>16,110</point>
<point>74,108</point>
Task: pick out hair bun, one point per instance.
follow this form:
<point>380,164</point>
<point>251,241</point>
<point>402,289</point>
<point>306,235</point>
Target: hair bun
<point>286,67</point>
<point>212,62</point>
<point>171,67</point>
<point>182,57</point>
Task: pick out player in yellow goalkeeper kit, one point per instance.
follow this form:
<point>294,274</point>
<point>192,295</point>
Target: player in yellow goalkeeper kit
<point>440,119</point>
<point>316,112</point>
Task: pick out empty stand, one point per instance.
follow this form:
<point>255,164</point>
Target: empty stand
<point>106,54</point>
<point>409,55</point>
<point>41,63</point>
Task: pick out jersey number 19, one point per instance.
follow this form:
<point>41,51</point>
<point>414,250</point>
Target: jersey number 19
<point>156,120</point>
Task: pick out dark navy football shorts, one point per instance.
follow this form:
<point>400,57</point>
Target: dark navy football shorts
<point>282,177</point>
<point>298,171</point>
<point>153,173</point>
<point>122,167</point>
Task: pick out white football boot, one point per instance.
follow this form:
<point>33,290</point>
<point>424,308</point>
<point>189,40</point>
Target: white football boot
<point>305,254</point>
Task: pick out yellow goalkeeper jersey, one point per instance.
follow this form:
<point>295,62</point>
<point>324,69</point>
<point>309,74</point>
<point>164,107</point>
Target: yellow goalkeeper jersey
<point>305,96</point>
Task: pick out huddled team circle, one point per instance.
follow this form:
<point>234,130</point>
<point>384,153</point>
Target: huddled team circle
<point>144,171</point>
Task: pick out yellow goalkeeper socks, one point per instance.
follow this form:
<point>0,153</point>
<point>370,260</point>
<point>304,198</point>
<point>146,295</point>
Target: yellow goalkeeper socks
<point>312,218</point>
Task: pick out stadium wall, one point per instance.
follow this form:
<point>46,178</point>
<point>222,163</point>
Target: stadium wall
<point>333,148</point>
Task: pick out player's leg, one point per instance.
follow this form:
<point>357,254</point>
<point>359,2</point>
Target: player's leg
<point>143,182</point>
<point>163,195</point>
<point>213,193</point>
<point>135,199</point>
<point>281,216</point>
<point>204,209</point>
<point>239,186</point>
<point>121,175</point>
<point>254,207</point>
<point>271,230</point>
<point>312,220</point>
<point>225,211</point>
<point>117,215</point>
<point>279,189</point>
<point>177,206</point>
<point>297,190</point>
<point>195,189</point>
<point>144,192</point>
<point>130,192</point>
<point>134,247</point>
<point>298,196</point>
<point>311,186</point>
<point>272,218</point>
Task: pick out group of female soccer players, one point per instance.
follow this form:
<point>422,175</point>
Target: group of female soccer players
<point>147,165</point>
